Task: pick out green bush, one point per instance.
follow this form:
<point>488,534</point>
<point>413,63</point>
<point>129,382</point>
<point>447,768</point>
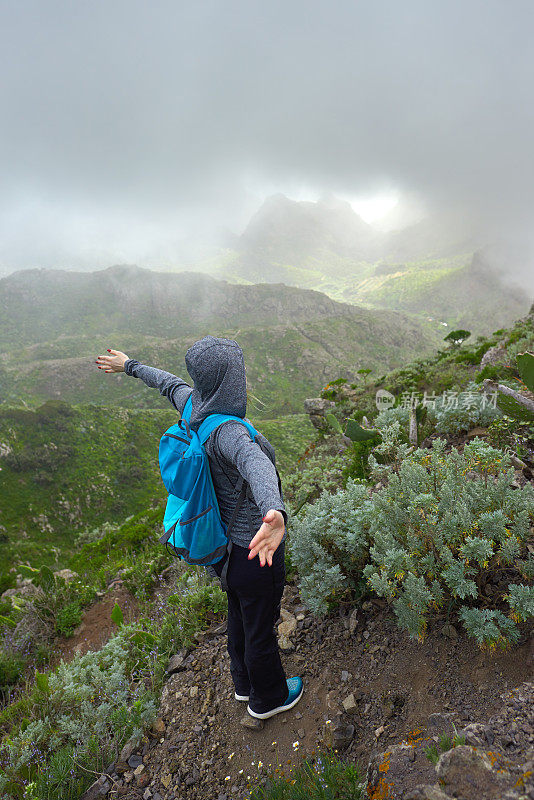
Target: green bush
<point>87,707</point>
<point>467,357</point>
<point>83,712</point>
<point>321,471</point>
<point>68,618</point>
<point>400,414</point>
<point>492,371</point>
<point>443,528</point>
<point>11,668</point>
<point>188,610</point>
<point>141,576</point>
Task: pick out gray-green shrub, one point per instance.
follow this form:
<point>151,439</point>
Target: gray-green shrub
<point>328,545</point>
<point>443,526</point>
<point>453,412</point>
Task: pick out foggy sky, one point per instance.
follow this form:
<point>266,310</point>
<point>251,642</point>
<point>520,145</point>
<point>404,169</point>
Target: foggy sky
<point>127,125</point>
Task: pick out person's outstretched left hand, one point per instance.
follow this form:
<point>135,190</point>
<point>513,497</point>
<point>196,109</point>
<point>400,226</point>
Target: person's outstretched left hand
<point>269,536</point>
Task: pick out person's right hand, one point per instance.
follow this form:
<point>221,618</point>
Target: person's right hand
<point>113,363</point>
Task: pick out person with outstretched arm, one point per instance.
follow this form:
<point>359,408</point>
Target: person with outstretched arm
<point>256,568</point>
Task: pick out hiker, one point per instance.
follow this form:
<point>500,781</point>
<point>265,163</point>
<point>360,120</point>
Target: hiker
<point>256,570</point>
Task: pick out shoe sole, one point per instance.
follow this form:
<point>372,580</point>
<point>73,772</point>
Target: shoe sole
<point>243,698</point>
<point>278,710</point>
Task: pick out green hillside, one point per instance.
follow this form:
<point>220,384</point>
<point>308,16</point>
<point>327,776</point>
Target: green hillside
<point>452,370</point>
<point>66,469</point>
<point>456,290</point>
<point>53,324</point>
<point>435,268</point>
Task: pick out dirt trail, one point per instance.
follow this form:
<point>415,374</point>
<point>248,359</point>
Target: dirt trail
<point>96,626</point>
<point>199,749</point>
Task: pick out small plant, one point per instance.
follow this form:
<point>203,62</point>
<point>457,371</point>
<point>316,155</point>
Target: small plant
<point>445,743</point>
<point>11,668</point>
<point>353,430</point>
<point>68,618</point>
<point>324,777</point>
<point>359,442</point>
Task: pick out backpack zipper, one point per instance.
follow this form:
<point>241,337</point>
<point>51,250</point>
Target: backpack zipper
<point>187,521</point>
<point>173,436</point>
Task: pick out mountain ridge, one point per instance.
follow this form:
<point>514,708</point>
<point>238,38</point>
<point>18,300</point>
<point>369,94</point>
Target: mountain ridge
<point>293,338</point>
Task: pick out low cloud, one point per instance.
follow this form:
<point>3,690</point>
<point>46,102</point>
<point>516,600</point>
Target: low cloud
<point>128,127</point>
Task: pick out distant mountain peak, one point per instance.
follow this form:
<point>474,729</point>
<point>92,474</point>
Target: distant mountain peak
<point>292,231</point>
<point>332,202</point>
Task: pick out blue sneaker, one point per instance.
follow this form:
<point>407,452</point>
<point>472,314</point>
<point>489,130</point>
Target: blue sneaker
<point>244,698</point>
<point>295,687</point>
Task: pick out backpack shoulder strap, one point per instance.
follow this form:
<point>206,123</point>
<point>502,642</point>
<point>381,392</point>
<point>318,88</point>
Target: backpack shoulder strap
<point>186,413</point>
<point>207,427</point>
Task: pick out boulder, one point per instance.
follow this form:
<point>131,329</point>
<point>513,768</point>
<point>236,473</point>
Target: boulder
<point>388,770</point>
<point>337,735</point>
<point>427,793</point>
<point>100,788</point>
<point>465,773</point>
<point>350,706</point>
<point>66,574</point>
<point>353,621</point>
<point>252,723</point>
<point>176,664</point>
<point>316,405</point>
<point>130,746</point>
<point>477,734</point>
<point>286,629</point>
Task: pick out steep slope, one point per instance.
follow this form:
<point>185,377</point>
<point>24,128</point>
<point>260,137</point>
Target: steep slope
<point>54,323</point>
<point>65,469</point>
<point>427,268</point>
<point>465,291</point>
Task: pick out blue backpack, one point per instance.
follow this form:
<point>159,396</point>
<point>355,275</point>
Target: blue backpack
<point>193,526</point>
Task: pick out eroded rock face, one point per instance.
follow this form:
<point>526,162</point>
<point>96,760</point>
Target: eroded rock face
<point>494,356</point>
<point>488,761</point>
<point>316,407</point>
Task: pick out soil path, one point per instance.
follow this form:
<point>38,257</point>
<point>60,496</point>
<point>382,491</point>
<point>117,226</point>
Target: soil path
<point>96,626</point>
<point>200,750</point>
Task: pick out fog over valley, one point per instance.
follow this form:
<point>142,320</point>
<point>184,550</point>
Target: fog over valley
<point>152,134</point>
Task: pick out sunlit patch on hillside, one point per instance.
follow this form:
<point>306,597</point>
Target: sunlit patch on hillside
<point>371,209</point>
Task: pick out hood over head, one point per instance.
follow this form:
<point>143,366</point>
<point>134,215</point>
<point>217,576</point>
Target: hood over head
<point>217,367</point>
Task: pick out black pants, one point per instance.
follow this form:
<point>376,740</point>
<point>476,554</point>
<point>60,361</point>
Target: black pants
<point>254,597</point>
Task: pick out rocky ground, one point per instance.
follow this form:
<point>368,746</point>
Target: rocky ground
<point>371,693</point>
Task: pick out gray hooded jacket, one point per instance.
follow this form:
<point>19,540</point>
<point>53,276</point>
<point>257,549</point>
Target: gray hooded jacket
<point>217,367</point>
